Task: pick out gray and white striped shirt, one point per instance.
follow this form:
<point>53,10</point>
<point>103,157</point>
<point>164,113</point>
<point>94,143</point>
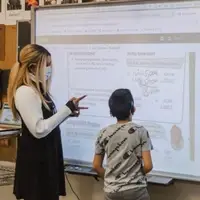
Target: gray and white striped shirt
<point>123,145</point>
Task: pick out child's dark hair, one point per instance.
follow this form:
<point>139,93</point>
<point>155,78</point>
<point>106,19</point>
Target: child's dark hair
<point>121,104</point>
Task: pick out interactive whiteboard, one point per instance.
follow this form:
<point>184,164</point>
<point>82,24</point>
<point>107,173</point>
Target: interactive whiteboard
<point>153,49</point>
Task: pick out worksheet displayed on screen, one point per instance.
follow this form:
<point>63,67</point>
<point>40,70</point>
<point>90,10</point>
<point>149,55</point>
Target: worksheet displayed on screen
<point>152,49</point>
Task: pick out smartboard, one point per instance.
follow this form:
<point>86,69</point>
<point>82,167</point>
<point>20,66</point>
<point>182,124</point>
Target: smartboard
<point>151,48</point>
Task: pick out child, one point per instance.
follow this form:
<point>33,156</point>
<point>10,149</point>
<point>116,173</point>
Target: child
<point>127,148</point>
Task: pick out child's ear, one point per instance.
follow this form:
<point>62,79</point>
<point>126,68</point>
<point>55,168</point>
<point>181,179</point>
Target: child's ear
<point>133,110</point>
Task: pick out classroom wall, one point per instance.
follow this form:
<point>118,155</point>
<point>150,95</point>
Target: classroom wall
<point>89,189</point>
<point>8,153</point>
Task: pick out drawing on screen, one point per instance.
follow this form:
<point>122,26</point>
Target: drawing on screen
<point>147,80</point>
<point>50,2</point>
<point>150,79</point>
<point>14,5</point>
<point>30,3</point>
<point>177,141</point>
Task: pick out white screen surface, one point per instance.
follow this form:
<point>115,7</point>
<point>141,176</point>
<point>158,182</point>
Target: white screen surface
<point>152,49</point>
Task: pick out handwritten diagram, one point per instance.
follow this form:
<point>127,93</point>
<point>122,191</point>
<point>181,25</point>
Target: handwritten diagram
<point>157,84</point>
<point>147,80</point>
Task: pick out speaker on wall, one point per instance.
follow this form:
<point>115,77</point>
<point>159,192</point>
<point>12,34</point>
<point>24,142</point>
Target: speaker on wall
<point>23,34</point>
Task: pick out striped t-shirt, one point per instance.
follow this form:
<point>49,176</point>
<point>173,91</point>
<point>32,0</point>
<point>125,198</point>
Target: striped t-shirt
<point>123,145</point>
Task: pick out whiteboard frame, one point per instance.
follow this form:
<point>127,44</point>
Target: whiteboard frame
<point>188,178</point>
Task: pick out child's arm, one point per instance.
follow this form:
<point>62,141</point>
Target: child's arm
<point>146,151</point>
<point>98,165</point>
<point>99,156</point>
<point>148,165</point>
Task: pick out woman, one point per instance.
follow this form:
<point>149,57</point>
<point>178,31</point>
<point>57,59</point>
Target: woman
<point>39,171</point>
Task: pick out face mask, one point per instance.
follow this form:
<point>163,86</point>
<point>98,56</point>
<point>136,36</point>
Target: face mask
<point>48,72</point>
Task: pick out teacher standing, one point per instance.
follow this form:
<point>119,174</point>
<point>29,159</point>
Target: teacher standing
<point>39,173</point>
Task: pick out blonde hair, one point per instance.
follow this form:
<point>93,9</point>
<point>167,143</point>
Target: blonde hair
<point>32,61</point>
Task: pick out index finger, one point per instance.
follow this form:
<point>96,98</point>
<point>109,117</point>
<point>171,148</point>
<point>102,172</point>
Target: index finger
<point>80,98</point>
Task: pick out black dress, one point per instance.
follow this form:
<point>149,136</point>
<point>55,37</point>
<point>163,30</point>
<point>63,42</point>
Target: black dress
<point>39,170</point>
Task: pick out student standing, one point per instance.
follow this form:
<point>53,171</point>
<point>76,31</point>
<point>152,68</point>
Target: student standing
<point>39,173</point>
<point>127,148</point>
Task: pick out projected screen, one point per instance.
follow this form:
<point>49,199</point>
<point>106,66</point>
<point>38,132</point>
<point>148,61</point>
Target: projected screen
<point>152,49</point>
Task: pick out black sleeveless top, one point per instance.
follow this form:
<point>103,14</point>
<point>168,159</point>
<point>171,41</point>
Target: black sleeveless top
<point>39,165</point>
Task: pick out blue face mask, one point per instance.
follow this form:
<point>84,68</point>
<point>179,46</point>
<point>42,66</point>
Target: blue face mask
<point>48,72</point>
